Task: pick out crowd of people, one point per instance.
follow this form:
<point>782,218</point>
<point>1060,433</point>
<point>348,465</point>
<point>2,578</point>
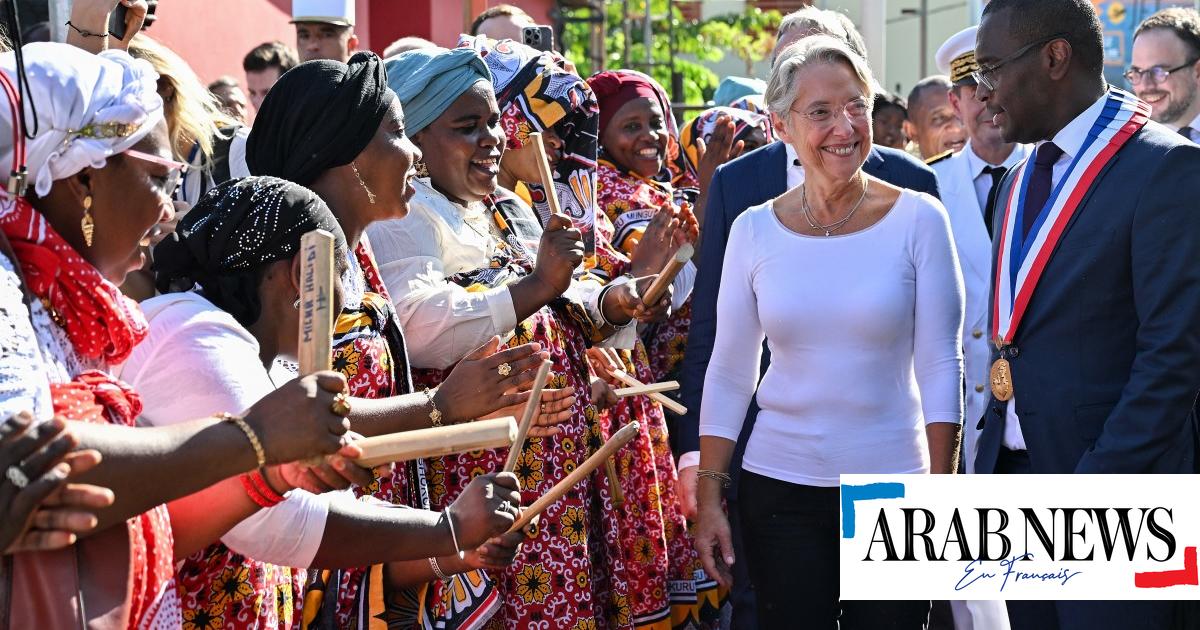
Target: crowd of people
<point>993,275</point>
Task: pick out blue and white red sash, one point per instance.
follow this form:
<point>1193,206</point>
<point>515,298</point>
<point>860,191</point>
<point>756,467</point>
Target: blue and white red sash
<point>1022,259</point>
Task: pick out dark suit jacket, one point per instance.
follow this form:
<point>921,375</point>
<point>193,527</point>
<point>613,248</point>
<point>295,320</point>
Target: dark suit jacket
<point>748,181</point>
<point>1108,354</point>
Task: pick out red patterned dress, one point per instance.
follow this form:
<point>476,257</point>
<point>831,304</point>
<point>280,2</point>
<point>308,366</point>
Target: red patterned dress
<point>369,349</point>
<point>81,324</point>
<point>629,201</point>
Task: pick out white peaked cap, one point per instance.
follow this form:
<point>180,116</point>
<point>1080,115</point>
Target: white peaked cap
<point>340,12</point>
<point>956,57</point>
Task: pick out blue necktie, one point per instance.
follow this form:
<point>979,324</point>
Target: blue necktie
<point>1039,183</point>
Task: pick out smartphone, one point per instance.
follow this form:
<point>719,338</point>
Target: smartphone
<point>539,37</point>
<point>116,22</point>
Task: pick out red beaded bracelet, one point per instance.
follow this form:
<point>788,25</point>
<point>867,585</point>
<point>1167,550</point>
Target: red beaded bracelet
<point>254,494</point>
<point>265,488</point>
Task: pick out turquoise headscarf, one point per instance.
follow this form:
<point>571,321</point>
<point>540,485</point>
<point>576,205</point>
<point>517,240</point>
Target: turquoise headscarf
<point>733,88</point>
<point>428,80</point>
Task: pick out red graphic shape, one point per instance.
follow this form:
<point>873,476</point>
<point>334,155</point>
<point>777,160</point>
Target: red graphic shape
<point>1188,575</point>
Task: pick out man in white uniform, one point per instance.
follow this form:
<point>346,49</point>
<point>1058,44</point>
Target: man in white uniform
<point>324,29</point>
<point>965,180</point>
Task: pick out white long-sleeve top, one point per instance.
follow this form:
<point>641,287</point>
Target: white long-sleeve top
<point>438,239</point>
<point>864,337</point>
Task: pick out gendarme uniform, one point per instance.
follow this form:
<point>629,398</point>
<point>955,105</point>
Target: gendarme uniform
<point>964,180</point>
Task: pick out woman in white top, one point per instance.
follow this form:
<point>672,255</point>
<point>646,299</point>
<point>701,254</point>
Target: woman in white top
<point>241,245</point>
<point>855,286</point>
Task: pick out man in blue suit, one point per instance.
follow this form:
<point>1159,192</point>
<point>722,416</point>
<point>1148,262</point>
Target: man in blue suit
<point>1100,370</point>
<point>748,181</point>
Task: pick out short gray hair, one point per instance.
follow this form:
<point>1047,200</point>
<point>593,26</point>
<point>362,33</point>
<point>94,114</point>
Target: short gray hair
<point>812,20</point>
<point>782,89</point>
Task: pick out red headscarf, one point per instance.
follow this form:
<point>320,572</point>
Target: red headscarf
<point>615,88</point>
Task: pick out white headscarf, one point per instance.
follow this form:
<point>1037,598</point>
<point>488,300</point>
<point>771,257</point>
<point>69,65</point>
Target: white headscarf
<point>76,94</point>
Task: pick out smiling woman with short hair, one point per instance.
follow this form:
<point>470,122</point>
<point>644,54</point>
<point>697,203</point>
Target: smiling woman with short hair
<point>855,285</point>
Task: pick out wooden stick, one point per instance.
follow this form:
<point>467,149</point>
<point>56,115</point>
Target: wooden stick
<point>547,175</point>
<point>531,407</point>
<point>316,302</point>
<point>316,307</point>
<point>667,275</point>
<point>619,439</point>
<point>630,381</point>
<point>652,388</point>
<point>614,482</point>
<point>437,441</point>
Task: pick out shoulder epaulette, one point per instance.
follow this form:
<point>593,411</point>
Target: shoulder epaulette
<point>938,158</point>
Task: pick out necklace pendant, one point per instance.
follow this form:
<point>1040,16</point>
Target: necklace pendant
<point>827,232</point>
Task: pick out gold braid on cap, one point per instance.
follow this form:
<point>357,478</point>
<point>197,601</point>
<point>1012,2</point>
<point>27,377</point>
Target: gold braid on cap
<point>105,130</point>
<point>962,66</point>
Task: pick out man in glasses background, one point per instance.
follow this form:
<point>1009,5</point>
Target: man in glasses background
<point>1164,70</point>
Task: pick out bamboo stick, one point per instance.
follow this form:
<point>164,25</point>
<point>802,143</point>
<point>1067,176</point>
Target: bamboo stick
<point>547,176</point>
<point>667,275</point>
<point>531,408</point>
<point>437,441</point>
<point>630,381</point>
<point>619,439</point>
<point>651,388</point>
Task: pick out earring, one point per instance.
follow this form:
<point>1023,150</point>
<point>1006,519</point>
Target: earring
<point>370,195</point>
<point>296,304</point>
<point>421,169</point>
<point>87,225</point>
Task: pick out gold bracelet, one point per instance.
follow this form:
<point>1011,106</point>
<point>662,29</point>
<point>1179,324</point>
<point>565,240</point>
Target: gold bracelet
<point>241,423</point>
<point>435,415</point>
<point>724,478</point>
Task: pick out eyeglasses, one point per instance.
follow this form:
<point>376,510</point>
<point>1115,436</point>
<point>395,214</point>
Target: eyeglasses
<point>856,110</point>
<point>174,174</point>
<point>1158,74</point>
<point>986,76</point>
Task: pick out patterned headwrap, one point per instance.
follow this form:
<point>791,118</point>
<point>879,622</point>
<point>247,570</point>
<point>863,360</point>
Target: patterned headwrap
<point>702,126</point>
<point>319,115</point>
<point>89,108</point>
<point>428,80</point>
<point>613,89</point>
<point>237,228</point>
<point>536,93</point>
<point>752,103</point>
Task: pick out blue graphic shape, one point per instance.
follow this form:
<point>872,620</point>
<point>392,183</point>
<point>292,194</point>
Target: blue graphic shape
<point>850,494</point>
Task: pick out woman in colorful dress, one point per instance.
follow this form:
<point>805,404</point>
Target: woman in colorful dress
<point>471,244</point>
<point>67,243</point>
<point>223,336</point>
<point>338,130</point>
<point>639,154</point>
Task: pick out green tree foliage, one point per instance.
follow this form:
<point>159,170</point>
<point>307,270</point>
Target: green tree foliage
<point>749,36</point>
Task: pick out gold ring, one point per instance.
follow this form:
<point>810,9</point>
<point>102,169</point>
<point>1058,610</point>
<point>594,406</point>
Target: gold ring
<point>341,405</point>
<point>504,369</point>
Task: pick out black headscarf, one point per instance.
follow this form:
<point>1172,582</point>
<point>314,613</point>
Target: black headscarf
<point>235,230</point>
<point>319,115</point>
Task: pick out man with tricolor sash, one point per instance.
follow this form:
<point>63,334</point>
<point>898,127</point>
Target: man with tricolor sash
<point>1095,283</point>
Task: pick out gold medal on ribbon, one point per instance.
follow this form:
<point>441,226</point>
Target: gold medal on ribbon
<point>1002,387</point>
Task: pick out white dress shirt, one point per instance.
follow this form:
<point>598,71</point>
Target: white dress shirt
<point>982,181</point>
<point>1070,139</point>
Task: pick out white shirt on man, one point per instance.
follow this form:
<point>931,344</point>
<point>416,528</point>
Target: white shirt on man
<point>1070,139</point>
